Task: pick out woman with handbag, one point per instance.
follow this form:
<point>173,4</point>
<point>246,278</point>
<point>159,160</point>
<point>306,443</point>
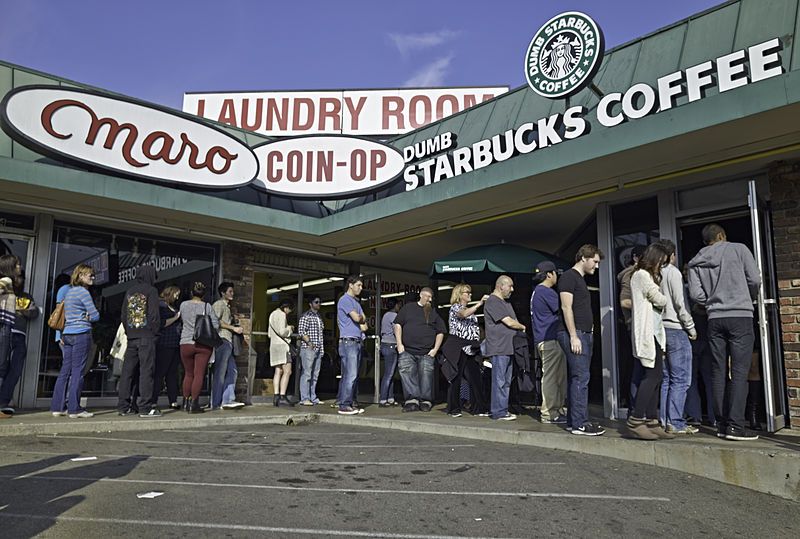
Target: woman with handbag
<point>279,354</point>
<point>196,345</point>
<point>76,339</point>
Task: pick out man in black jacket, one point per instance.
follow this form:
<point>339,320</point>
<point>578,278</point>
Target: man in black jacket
<point>142,321</point>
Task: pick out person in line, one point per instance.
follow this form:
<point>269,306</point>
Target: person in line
<point>463,324</point>
<point>501,324</point>
<point>680,330</point>
<point>79,315</point>
<point>419,331</point>
<point>575,335</point>
<point>724,278</point>
<point>280,358</point>
<point>26,311</point>
<point>701,369</point>
<point>168,351</point>
<point>388,353</point>
<point>545,311</point>
<point>142,322</point>
<point>649,342</point>
<point>352,324</point>
<point>10,270</point>
<point>624,280</point>
<point>310,331</point>
<point>194,356</point>
<point>223,387</point>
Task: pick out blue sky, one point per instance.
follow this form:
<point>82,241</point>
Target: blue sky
<point>156,50</point>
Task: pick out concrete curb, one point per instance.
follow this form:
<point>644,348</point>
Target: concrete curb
<point>775,472</point>
<point>770,470</point>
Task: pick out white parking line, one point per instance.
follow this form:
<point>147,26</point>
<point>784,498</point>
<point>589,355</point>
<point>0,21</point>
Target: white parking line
<point>237,527</point>
<point>242,444</point>
<point>303,462</point>
<point>271,433</point>
<point>50,477</point>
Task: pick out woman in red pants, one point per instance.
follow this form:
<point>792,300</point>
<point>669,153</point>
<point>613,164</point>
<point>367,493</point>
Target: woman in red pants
<point>194,356</point>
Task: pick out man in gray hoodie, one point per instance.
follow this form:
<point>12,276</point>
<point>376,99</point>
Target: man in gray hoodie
<point>142,321</point>
<point>724,278</point>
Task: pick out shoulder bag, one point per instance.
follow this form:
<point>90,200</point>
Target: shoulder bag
<point>294,350</point>
<point>204,331</point>
<point>56,319</point>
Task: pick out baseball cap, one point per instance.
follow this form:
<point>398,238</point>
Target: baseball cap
<point>545,267</point>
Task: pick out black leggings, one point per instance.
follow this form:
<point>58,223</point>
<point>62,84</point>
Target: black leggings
<point>649,394</point>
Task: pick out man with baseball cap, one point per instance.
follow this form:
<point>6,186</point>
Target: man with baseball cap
<point>545,311</point>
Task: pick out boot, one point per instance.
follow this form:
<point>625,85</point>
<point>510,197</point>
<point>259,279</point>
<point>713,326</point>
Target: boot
<point>195,407</point>
<point>187,404</point>
<point>276,399</point>
<point>753,399</point>
<point>638,429</point>
<point>655,427</point>
<point>283,401</point>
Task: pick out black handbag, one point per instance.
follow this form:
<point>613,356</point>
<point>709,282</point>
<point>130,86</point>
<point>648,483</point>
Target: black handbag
<point>294,349</point>
<point>204,331</point>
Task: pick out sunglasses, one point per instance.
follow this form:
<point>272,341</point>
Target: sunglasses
<point>315,302</point>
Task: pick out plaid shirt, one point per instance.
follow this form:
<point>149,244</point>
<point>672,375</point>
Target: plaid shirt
<point>311,324</point>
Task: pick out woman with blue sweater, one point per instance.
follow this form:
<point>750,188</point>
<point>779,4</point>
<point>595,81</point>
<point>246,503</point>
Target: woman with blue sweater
<point>79,314</point>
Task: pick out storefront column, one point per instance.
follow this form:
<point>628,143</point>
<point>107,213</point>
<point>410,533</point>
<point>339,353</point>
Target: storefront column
<point>608,315</point>
<point>784,179</point>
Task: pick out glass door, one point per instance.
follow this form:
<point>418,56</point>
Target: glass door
<point>768,313</point>
<point>21,247</point>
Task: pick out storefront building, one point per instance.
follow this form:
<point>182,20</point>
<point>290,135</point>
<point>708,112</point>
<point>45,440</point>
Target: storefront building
<point>692,124</point>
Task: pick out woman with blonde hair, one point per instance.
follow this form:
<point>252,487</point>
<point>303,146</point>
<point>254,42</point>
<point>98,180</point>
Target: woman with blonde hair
<point>464,334</point>
<point>76,337</point>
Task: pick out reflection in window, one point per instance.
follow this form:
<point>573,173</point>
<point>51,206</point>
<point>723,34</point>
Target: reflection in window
<point>114,257</point>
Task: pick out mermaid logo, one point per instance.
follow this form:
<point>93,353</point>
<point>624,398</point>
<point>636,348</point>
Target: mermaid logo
<point>564,55</point>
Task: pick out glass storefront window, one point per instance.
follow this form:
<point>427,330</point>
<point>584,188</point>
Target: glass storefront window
<point>114,257</point>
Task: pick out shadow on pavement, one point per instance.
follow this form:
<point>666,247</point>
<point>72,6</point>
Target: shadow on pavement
<point>37,497</point>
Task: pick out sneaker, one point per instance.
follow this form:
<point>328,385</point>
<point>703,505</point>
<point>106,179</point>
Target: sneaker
<point>411,407</point>
<point>638,428</point>
<point>59,414</point>
<point>507,417</point>
<point>174,406</point>
<point>383,405</point>
<point>739,434</point>
<point>126,412</point>
<point>349,410</point>
<point>482,414</point>
<point>688,429</point>
<point>589,430</point>
<point>693,421</point>
<point>425,407</point>
<point>81,415</point>
<point>154,412</point>
<point>4,415</point>
<point>234,405</point>
<point>7,410</point>
<point>454,414</point>
<point>558,420</point>
<point>302,403</point>
<point>393,403</point>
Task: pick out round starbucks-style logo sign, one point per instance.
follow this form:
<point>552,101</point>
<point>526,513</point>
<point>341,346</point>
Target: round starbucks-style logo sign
<point>564,55</point>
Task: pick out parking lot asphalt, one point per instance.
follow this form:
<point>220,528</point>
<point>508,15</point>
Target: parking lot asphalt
<point>325,480</point>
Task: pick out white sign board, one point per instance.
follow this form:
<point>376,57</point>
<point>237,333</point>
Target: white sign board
<point>324,167</point>
<point>124,137</point>
<point>348,112</point>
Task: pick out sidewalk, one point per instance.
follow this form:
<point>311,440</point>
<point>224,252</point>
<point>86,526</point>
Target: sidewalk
<point>770,464</point>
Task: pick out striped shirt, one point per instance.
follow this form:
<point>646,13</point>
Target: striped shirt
<point>79,311</point>
<point>311,324</point>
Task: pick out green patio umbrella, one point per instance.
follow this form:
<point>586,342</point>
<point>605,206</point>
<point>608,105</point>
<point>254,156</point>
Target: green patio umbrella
<point>485,262</point>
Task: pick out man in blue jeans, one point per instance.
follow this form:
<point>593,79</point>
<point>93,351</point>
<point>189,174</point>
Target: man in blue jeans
<point>724,278</point>
<point>223,387</point>
<point>388,353</point>
<point>575,337</point>
<point>419,331</point>
<point>501,325</point>
<point>679,327</point>
<point>310,329</point>
<point>352,323</point>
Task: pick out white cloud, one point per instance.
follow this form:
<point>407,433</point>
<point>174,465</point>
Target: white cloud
<point>407,43</point>
<point>432,74</point>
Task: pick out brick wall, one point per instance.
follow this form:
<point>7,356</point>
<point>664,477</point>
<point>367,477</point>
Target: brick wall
<point>237,267</point>
<point>785,191</point>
